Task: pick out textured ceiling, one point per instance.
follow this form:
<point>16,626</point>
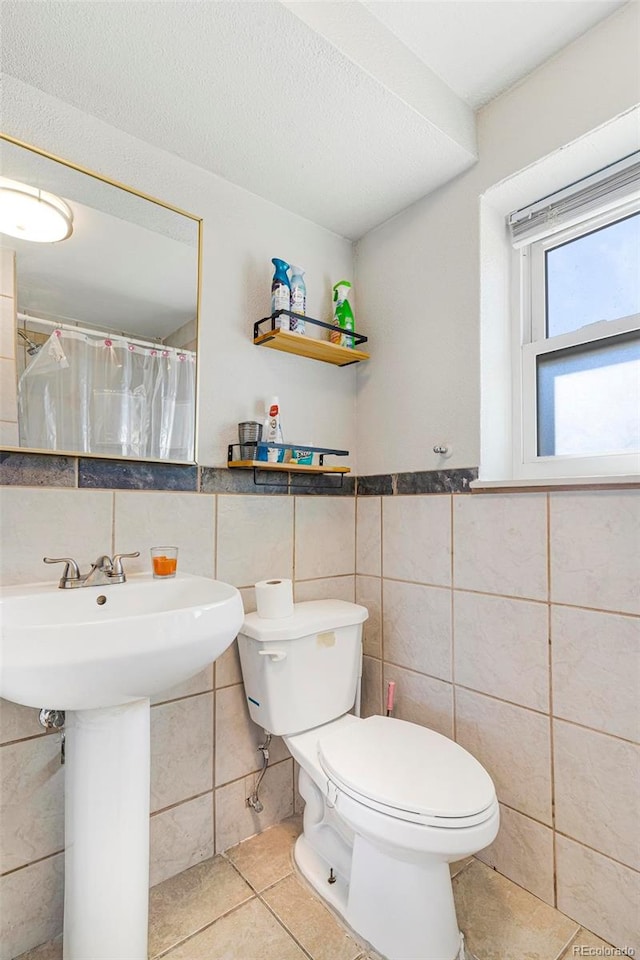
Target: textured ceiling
<point>316,106</point>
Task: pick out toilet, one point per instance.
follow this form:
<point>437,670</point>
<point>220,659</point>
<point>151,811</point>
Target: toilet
<point>388,804</point>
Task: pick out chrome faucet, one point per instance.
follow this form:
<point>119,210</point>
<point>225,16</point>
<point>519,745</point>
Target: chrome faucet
<point>103,572</point>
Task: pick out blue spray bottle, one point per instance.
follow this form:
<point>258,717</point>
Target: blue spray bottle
<point>280,293</point>
<point>298,299</point>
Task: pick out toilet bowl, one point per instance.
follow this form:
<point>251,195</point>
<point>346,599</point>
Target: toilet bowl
<point>388,804</point>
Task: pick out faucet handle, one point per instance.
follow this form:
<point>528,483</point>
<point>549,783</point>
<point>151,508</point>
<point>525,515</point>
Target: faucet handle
<point>117,570</point>
<point>71,565</point>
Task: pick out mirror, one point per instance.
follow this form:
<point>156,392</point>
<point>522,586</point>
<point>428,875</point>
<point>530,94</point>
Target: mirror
<point>99,318</point>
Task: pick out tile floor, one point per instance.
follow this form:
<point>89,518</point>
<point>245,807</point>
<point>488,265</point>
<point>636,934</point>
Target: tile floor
<point>249,904</point>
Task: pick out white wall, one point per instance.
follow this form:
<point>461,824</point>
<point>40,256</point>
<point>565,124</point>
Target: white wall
<point>241,234</point>
<point>418,276</point>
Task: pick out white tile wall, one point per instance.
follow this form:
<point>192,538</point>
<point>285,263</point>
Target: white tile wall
<point>500,548</point>
<point>416,539</point>
<point>502,647</point>
<point>500,544</point>
<point>255,539</point>
<point>523,851</point>
<point>545,596</point>
<point>514,745</point>
<point>421,699</point>
<point>596,791</point>
<point>181,750</point>
<point>333,588</point>
<point>181,837</point>
<point>32,901</point>
<point>595,560</point>
<point>31,802</point>
<point>594,657</point>
<point>37,523</point>
<point>238,538</point>
<point>417,627</point>
<point>369,595</point>
<point>599,893</point>
<point>368,539</point>
<point>144,519</point>
<point>325,536</point>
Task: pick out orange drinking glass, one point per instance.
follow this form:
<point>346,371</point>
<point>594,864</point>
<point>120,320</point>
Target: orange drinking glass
<point>164,561</point>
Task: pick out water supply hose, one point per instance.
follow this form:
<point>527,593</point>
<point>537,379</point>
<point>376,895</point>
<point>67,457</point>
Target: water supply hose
<point>254,801</point>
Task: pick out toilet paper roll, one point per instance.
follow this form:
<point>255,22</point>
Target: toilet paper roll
<point>274,599</point>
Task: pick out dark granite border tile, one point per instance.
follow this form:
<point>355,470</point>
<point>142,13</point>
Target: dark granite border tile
<point>136,475</point>
<point>378,485</point>
<point>322,485</point>
<point>37,470</point>
<point>224,480</point>
<point>437,481</point>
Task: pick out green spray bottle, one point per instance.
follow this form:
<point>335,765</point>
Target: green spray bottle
<point>343,318</point>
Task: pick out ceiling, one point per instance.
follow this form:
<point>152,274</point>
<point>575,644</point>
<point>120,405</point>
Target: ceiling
<point>343,112</point>
<point>482,47</point>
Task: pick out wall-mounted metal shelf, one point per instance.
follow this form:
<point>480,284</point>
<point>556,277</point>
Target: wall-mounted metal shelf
<point>304,346</point>
<point>233,461</point>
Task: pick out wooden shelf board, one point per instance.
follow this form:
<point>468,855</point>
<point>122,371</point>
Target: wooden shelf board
<point>285,467</point>
<point>304,346</point>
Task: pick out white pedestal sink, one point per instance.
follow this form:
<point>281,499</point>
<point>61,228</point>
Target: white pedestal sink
<point>100,653</point>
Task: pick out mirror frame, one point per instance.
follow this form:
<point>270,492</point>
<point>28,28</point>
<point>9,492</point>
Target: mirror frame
<point>168,206</point>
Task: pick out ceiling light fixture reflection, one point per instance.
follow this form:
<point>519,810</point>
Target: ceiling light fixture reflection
<point>32,214</point>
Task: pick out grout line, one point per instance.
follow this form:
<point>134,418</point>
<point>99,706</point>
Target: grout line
<point>187,696</point>
<point>382,630</point>
<point>48,856</point>
<point>251,773</point>
<point>34,736</point>
<point>572,939</point>
<point>206,926</point>
<point>603,733</point>
<point>284,927</point>
<point>606,856</point>
<point>454,712</point>
<point>552,771</point>
<point>179,803</point>
<point>565,836</point>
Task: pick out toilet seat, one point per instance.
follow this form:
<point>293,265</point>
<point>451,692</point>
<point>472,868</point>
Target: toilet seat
<point>407,772</point>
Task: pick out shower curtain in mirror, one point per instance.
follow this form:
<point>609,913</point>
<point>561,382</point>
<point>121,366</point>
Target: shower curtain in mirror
<point>106,395</point>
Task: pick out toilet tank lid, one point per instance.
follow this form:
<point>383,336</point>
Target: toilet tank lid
<point>312,616</point>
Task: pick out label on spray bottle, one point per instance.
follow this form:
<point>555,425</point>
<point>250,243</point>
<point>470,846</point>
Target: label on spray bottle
<point>281,300</point>
<point>298,305</point>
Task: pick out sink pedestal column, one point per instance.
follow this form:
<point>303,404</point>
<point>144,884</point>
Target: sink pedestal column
<point>106,897</point>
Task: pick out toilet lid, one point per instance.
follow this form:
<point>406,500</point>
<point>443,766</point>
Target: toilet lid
<point>406,767</point>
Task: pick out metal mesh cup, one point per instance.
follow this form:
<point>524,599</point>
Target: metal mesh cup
<point>249,435</point>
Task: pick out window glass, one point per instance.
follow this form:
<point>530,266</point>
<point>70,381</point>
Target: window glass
<point>595,277</point>
<point>589,399</point>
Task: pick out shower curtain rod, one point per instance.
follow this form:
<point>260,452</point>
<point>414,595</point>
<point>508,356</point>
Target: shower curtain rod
<point>73,328</point>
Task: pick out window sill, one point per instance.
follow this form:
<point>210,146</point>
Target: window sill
<point>629,482</point>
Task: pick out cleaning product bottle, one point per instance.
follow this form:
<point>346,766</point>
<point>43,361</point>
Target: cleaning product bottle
<point>343,318</point>
<point>272,431</point>
<point>298,298</point>
<point>280,293</point>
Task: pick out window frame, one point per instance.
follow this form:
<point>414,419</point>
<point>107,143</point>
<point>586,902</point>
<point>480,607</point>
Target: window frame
<point>529,341</point>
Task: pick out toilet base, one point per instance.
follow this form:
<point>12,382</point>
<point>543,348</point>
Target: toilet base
<point>404,910</point>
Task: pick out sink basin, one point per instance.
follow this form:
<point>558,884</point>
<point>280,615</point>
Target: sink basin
<point>100,653</point>
<point>65,650</point>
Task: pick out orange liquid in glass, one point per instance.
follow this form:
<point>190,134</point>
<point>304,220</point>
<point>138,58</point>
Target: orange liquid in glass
<point>164,566</point>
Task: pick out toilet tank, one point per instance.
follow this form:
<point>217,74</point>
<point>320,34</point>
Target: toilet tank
<point>302,671</point>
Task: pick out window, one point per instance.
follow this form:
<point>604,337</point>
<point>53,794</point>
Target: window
<point>576,329</point>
